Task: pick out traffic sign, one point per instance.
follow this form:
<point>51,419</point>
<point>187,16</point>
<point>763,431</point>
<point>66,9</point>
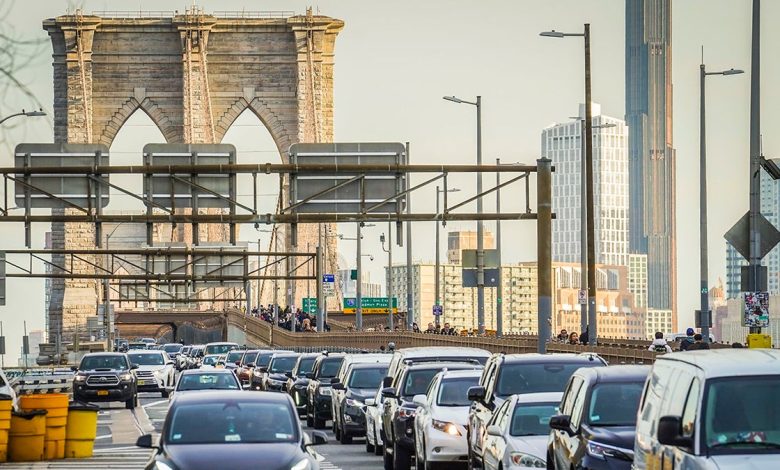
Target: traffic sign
<point>310,305</point>
<point>582,297</point>
<point>437,310</point>
<point>328,285</point>
<point>369,305</point>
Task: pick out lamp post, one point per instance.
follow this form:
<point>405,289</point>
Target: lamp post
<point>437,281</point>
<point>703,265</point>
<point>40,112</point>
<point>480,225</point>
<point>593,327</point>
<point>389,252</point>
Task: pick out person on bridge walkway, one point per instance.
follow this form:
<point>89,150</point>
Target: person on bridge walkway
<point>698,343</point>
<point>659,344</point>
<point>687,342</point>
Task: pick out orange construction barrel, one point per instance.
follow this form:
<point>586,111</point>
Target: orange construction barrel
<point>56,406</point>
<point>6,406</point>
<point>26,436</point>
<point>81,430</point>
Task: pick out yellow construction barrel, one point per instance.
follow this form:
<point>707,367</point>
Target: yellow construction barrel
<point>56,406</point>
<point>6,406</point>
<point>81,430</point>
<point>26,436</point>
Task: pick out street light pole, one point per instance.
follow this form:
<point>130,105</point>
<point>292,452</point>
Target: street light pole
<point>437,269</point>
<point>499,287</point>
<point>359,281</point>
<point>40,112</point>
<point>389,252</point>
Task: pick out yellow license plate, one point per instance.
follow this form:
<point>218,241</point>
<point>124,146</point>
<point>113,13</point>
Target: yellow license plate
<point>141,382</point>
<point>102,393</point>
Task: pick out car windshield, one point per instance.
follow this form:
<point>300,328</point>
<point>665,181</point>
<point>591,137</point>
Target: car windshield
<point>136,346</point>
<point>742,414</point>
<point>535,378</point>
<point>186,349</point>
<point>455,392</point>
<point>210,360</point>
<point>104,362</point>
<point>207,382</point>
<point>532,419</point>
<point>172,348</point>
<point>146,359</point>
<point>615,404</point>
<point>368,377</point>
<point>232,422</point>
<point>330,367</point>
<point>304,366</point>
<point>249,357</point>
<point>417,381</point>
<point>219,348</point>
<point>234,356</point>
<point>280,365</point>
<point>263,359</point>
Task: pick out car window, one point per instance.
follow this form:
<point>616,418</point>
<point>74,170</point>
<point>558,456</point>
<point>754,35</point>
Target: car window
<point>535,378</point>
<point>689,411</point>
<point>455,392</point>
<point>146,359</point>
<point>330,367</point>
<point>280,365</point>
<point>104,362</point>
<point>571,394</point>
<point>532,419</point>
<point>263,359</point>
<point>499,419</point>
<point>248,358</point>
<point>232,422</point>
<point>210,360</point>
<point>417,381</point>
<point>219,348</point>
<point>579,402</point>
<point>207,382</point>
<point>172,348</point>
<point>367,377</point>
<point>234,356</point>
<point>614,404</point>
<point>305,365</point>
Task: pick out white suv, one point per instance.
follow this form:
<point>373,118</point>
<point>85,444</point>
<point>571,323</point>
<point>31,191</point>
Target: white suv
<point>155,372</point>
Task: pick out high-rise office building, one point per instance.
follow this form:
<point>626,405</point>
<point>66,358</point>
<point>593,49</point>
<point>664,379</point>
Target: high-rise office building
<point>562,144</point>
<point>652,198</point>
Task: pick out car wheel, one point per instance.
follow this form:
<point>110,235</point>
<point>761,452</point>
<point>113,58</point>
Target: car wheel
<point>336,431</point>
<point>130,404</point>
<point>369,446</point>
<point>550,461</point>
<point>344,437</point>
<point>402,460</point>
<point>309,420</point>
<point>387,459</point>
<point>165,393</point>
<point>419,458</point>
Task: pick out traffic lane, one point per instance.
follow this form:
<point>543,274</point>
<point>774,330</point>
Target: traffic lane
<point>120,427</point>
<point>345,456</point>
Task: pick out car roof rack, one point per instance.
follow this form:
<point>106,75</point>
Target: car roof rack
<point>423,360</point>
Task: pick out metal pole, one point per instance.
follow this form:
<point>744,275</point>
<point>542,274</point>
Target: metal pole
<point>275,234</point>
<point>705,325</point>
<point>480,231</point>
<point>754,262</point>
<point>436,275</point>
<point>107,320</point>
<point>499,290</point>
<point>390,275</point>
<point>544,250</point>
<point>320,297</point>
<point>359,281</point>
<point>592,320</point>
<point>2,356</point>
<point>409,267</point>
<point>583,229</point>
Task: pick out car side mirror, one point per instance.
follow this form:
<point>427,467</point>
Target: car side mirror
<point>561,423</point>
<point>263,369</point>
<point>309,375</point>
<point>387,381</point>
<point>388,392</point>
<point>370,402</point>
<point>238,363</point>
<point>318,438</point>
<point>145,442</point>
<point>420,400</point>
<point>670,432</point>
<point>249,364</point>
<point>288,375</point>
<point>494,430</point>
<point>133,366</point>
<point>338,386</point>
<point>476,393</point>
<point>74,368</point>
<point>167,363</point>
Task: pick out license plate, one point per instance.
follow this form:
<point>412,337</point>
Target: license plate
<point>102,393</point>
<point>141,382</point>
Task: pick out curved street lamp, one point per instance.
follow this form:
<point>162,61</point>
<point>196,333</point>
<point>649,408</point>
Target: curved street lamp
<point>40,112</point>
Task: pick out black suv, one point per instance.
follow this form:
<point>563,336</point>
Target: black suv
<point>398,410</point>
<point>298,381</point>
<point>278,371</point>
<point>510,374</point>
<point>105,377</point>
<point>348,408</point>
<point>597,424</point>
<point>324,370</point>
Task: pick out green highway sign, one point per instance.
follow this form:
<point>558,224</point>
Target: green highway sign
<point>370,305</point>
<point>310,305</point>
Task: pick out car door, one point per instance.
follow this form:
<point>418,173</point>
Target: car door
<point>388,409</point>
<point>480,412</point>
<point>494,445</point>
<point>560,438</point>
<point>423,416</point>
<point>674,401</point>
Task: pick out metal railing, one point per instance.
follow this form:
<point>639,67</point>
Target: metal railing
<point>128,14</point>
<point>253,14</point>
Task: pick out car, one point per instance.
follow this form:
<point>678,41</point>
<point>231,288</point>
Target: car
<point>246,366</point>
<point>318,391</point>
<point>212,361</point>
<point>136,345</point>
<point>155,372</point>
<point>120,345</point>
<point>361,382</point>
<point>398,410</point>
<point>441,419</point>
<point>510,374</point>
<point>518,432</point>
<point>181,359</point>
<point>233,358</point>
<point>195,357</point>
<point>246,431</point>
<point>337,397</point>
<point>261,363</point>
<point>198,380</point>
<point>445,353</point>
<point>298,381</point>
<point>173,349</point>
<point>278,371</point>
<point>147,340</point>
<point>102,377</point>
<point>219,348</point>
<point>711,409</point>
<point>373,416</point>
<point>597,422</point>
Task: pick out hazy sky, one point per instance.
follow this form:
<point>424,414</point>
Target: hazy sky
<point>394,61</point>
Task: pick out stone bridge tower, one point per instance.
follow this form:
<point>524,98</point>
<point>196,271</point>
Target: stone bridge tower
<point>193,74</point>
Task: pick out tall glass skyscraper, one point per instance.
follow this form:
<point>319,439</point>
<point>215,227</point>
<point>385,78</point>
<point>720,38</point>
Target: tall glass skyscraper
<point>651,155</point>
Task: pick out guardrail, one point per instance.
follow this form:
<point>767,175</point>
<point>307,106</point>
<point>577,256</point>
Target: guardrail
<point>40,379</point>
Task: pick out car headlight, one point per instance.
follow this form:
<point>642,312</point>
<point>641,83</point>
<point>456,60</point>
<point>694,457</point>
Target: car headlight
<point>326,392</point>
<point>257,373</point>
<point>304,464</point>
<point>445,427</point>
<point>527,460</point>
<point>355,403</point>
<point>162,466</point>
<point>602,451</point>
<point>126,377</point>
<point>80,378</point>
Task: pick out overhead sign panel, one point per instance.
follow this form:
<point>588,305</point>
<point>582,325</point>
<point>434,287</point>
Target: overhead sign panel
<point>469,265</point>
<point>227,265</point>
<point>369,305</point>
<point>52,190</point>
<point>334,193</point>
<point>208,190</point>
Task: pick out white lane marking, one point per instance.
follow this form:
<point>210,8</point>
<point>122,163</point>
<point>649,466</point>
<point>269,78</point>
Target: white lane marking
<point>155,403</point>
<point>107,436</point>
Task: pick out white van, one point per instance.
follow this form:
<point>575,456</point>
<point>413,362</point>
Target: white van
<point>715,409</point>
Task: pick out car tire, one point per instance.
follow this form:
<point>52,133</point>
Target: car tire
<point>344,437</point>
<point>419,458</point>
<point>387,459</point>
<point>130,404</point>
<point>369,446</point>
<point>402,460</point>
<point>165,393</point>
<point>335,429</point>
<point>550,461</point>
<point>309,420</point>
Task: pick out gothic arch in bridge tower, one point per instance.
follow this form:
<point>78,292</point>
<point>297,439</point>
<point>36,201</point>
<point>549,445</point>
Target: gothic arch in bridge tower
<point>193,74</point>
